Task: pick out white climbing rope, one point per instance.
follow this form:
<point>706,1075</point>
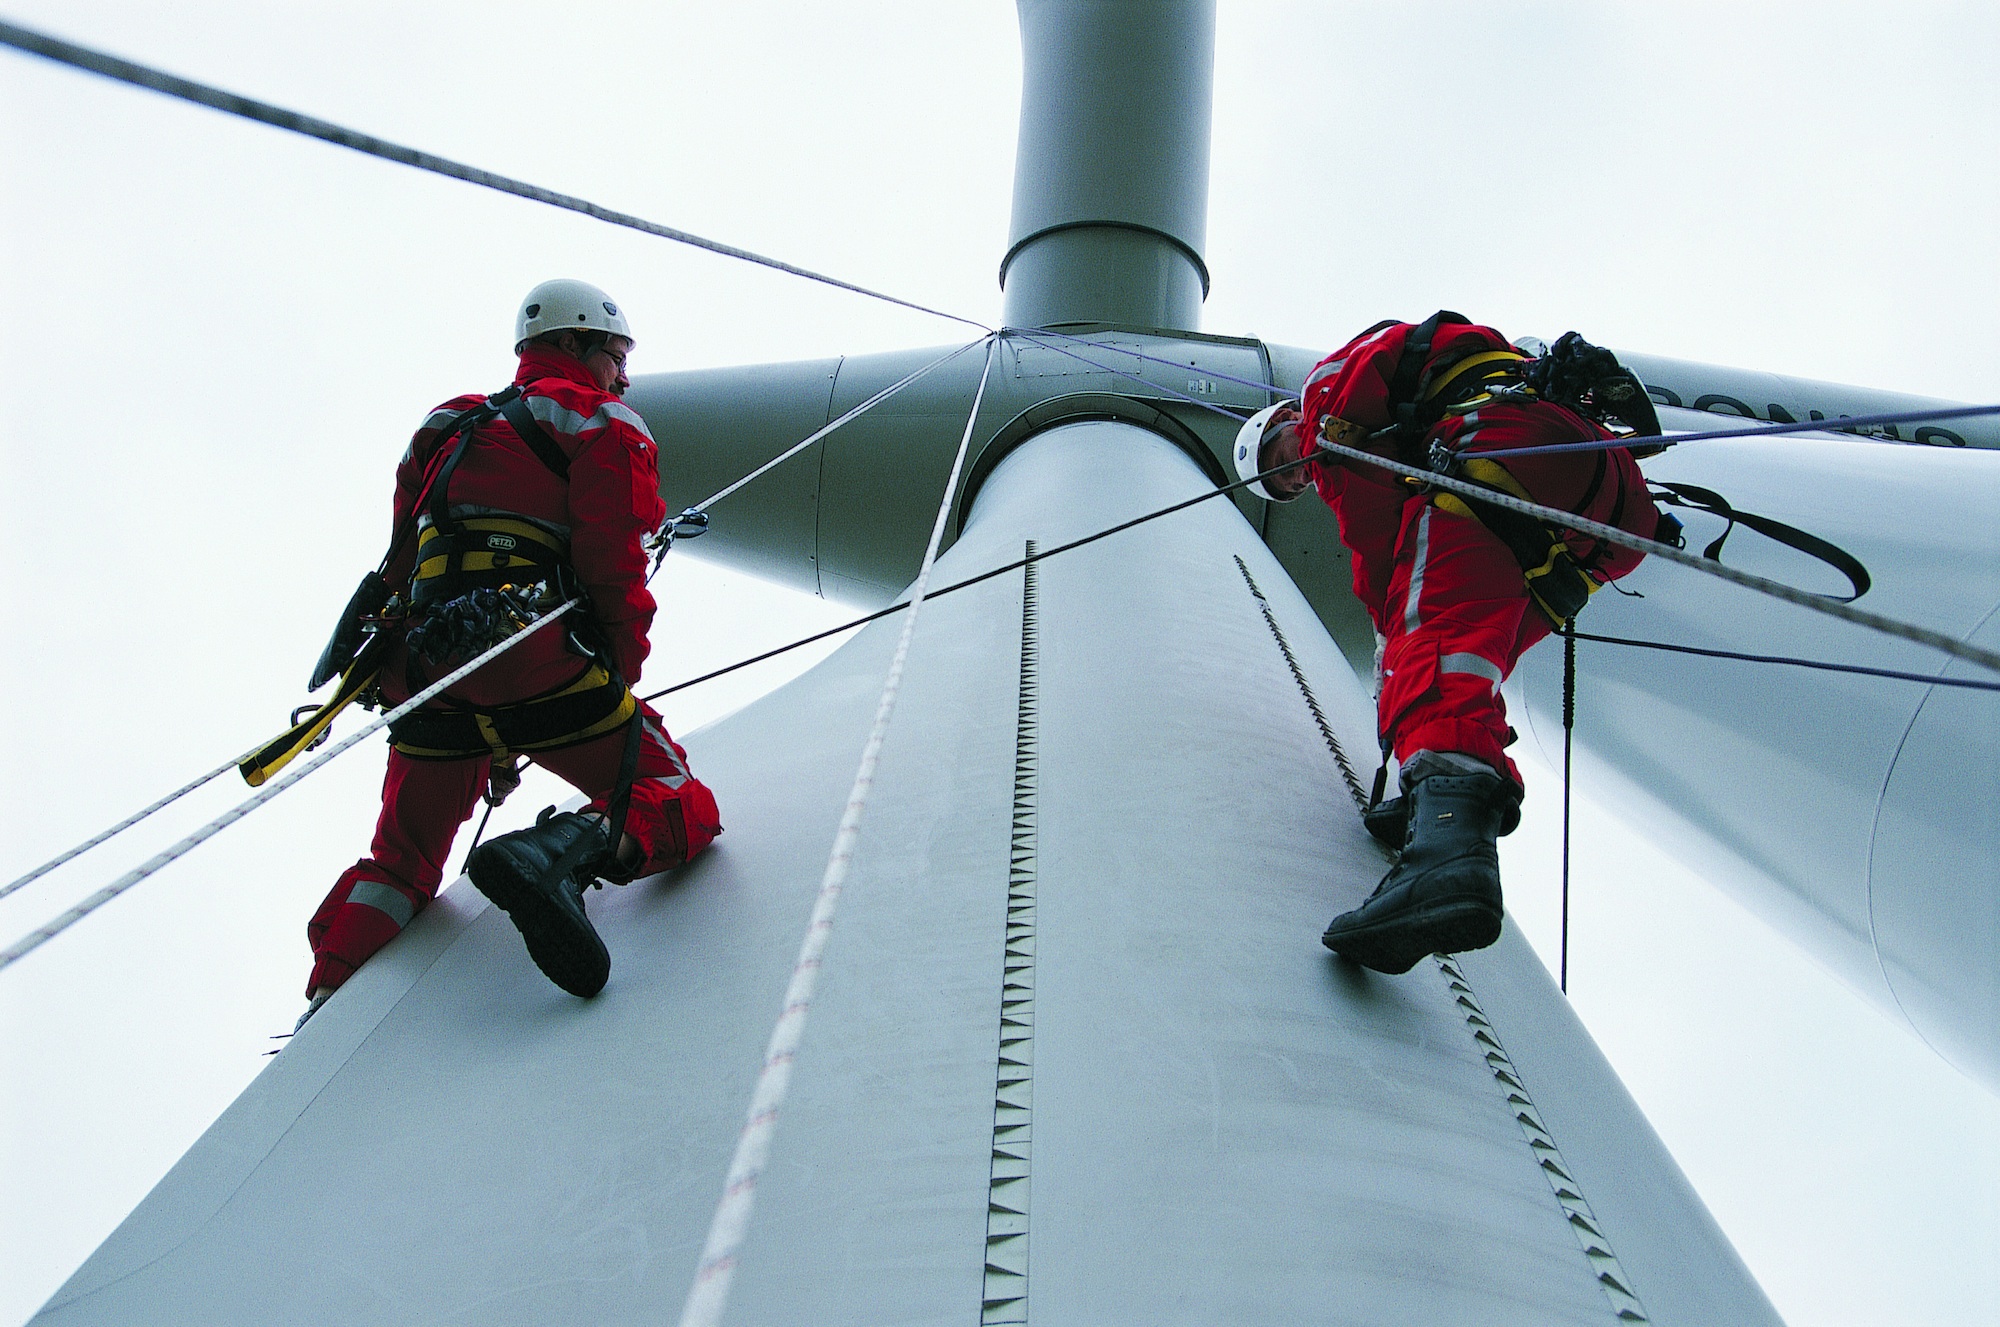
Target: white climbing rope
<point>232,763</point>
<point>709,1295</point>
<point>1611,534</point>
<point>35,939</point>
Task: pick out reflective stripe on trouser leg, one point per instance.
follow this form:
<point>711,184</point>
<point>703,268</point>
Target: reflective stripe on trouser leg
<point>1477,666</point>
<point>1413,601</point>
<point>656,736</point>
<point>384,899</point>
<point>1463,591</point>
<point>361,913</point>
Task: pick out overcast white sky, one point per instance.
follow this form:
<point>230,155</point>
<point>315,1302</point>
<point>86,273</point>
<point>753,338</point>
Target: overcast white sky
<point>218,337</point>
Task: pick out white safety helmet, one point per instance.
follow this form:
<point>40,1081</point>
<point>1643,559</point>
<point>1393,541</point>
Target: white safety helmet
<point>1250,442</point>
<point>575,305</point>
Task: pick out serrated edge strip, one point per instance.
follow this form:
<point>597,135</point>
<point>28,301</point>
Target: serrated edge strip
<point>1582,1222</point>
<point>1005,1298</point>
<point>1347,774</point>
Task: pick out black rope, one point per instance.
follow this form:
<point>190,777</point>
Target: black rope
<point>971,581</point>
<point>478,834</point>
<point>1569,731</point>
<point>1972,684</point>
<point>201,94</point>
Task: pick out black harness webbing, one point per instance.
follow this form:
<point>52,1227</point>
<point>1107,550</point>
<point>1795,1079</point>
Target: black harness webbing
<point>1406,405</point>
<point>530,431</point>
<point>448,580</point>
<point>591,705</point>
<point>1708,500</point>
<point>620,805</point>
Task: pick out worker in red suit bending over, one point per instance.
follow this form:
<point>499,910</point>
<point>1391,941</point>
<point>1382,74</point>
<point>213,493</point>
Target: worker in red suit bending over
<point>506,506</point>
<point>1457,589</point>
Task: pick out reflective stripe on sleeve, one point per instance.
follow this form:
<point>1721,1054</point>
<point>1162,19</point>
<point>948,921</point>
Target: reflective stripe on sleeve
<point>619,410</point>
<point>558,417</point>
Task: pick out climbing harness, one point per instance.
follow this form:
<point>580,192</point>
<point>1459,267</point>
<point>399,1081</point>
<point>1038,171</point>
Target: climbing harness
<point>709,1295</point>
<point>463,596</point>
<point>1559,582</point>
<point>589,707</point>
<point>362,617</point>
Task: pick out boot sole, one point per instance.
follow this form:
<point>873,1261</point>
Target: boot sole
<point>572,957</point>
<point>1398,944</point>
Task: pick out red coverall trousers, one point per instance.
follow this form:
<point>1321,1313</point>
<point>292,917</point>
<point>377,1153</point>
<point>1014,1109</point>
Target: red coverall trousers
<point>1457,618</point>
<point>673,817</point>
<point>1448,597</point>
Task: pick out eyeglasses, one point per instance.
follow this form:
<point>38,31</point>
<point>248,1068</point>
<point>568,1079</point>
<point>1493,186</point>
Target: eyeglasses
<point>615,356</point>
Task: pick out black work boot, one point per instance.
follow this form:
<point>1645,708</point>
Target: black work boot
<point>538,875</point>
<point>1443,896</point>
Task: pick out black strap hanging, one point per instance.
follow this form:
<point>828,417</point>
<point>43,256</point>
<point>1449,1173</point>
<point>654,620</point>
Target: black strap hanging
<point>1708,500</point>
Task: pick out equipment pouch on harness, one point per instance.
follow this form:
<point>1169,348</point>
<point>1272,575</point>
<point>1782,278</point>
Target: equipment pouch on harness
<point>369,599</point>
<point>471,624</point>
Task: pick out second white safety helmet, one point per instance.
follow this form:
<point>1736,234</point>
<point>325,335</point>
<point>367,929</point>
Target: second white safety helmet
<point>563,304</point>
<point>1250,441</point>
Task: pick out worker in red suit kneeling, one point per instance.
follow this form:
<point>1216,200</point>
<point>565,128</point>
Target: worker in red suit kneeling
<point>1457,589</point>
<point>506,506</point>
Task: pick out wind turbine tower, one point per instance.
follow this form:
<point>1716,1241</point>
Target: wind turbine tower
<point>1076,1055</point>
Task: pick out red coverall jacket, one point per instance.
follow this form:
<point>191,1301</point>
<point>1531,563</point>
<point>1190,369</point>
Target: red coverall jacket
<point>1446,596</point>
<point>609,503</point>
